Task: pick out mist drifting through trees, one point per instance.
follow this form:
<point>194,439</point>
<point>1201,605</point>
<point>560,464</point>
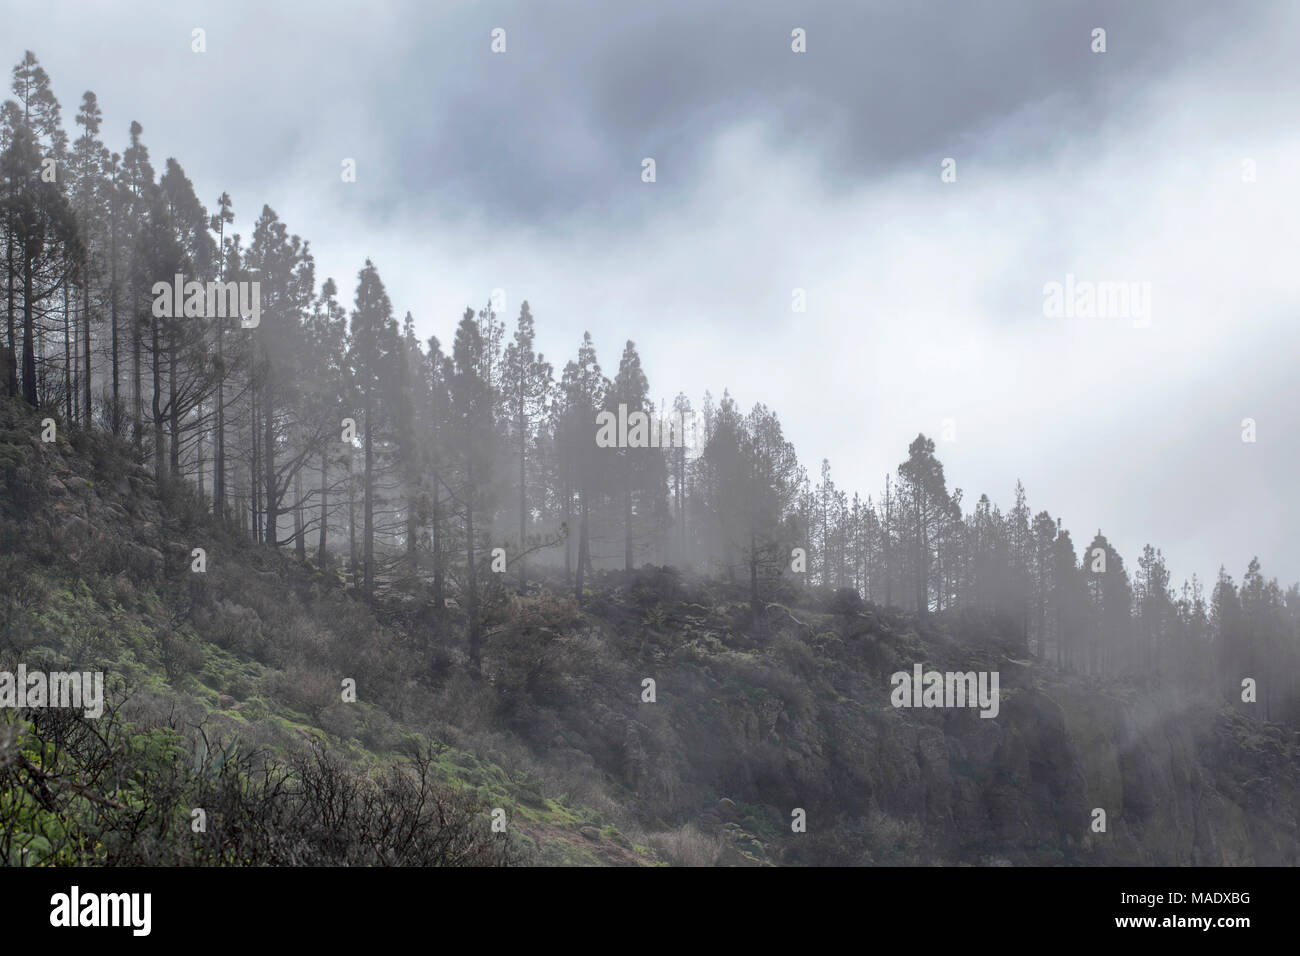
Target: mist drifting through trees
<point>333,431</point>
<point>508,435</point>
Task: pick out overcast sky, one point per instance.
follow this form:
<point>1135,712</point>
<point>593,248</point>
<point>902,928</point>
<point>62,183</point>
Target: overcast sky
<point>778,170</point>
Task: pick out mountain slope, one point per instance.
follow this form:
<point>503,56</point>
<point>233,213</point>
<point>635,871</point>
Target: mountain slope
<point>220,671</point>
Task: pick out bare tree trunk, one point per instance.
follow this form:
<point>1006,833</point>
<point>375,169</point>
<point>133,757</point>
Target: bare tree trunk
<point>86,336</point>
<point>439,595</point>
<point>471,574</point>
<point>299,535</point>
<point>583,556</point>
<point>173,423</point>
<point>68,364</point>
<point>254,483</point>
<point>74,356</point>
<point>219,440</point>
<point>567,512</point>
<point>681,505</point>
<point>29,347</point>
<point>322,552</point>
<point>11,370</point>
<point>627,511</point>
<point>368,517</point>
<point>137,380</point>
<point>412,525</point>
<point>198,454</point>
<point>159,469</point>
<point>352,521</point>
<point>523,498</point>
<point>268,464</point>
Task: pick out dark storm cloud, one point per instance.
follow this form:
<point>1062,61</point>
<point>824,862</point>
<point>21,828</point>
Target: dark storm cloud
<point>560,122</point>
<point>556,128</point>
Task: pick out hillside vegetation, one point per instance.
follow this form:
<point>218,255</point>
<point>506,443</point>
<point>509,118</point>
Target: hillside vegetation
<point>225,695</point>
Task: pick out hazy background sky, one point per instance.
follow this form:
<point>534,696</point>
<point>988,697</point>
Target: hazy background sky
<point>819,170</point>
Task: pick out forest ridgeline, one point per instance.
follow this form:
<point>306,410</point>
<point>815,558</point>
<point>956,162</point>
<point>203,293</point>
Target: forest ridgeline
<point>225,681</point>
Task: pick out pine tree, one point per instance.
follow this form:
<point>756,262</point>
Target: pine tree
<point>42,240</point>
<point>224,216</point>
<point>922,485</point>
<point>90,204</point>
<point>1108,644</point>
<point>582,389</point>
<point>472,416</point>
<point>527,386</point>
<point>372,359</point>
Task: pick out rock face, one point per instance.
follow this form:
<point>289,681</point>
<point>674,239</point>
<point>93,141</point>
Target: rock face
<point>1176,783</point>
<point>1180,783</point>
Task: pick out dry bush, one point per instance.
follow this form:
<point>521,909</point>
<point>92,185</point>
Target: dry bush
<point>687,846</point>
